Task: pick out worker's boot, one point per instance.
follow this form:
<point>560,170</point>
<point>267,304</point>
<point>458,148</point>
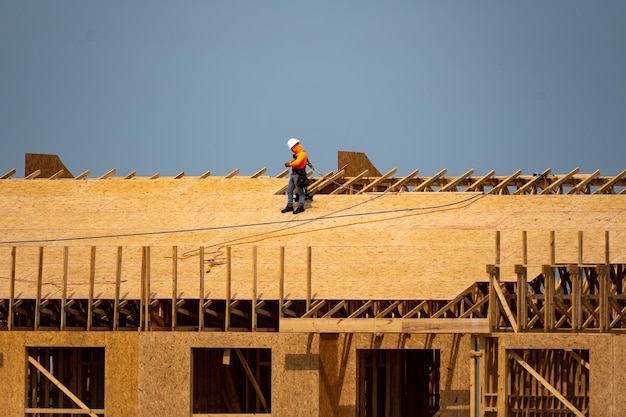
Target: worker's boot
<point>299,209</point>
<point>287,209</point>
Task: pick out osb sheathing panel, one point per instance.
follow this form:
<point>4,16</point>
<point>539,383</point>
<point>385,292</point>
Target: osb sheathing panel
<point>606,376</point>
<point>120,367</point>
<point>165,370</point>
<point>338,369</point>
<point>430,245</point>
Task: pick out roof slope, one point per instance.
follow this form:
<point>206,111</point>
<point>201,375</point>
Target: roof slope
<point>370,246</point>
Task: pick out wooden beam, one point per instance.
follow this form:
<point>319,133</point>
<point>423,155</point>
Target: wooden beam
<point>205,175</point>
<point>228,289</point>
<point>108,174</point>
<point>258,173</point>
<point>92,276</point>
<point>545,383</point>
<point>348,183</point>
<point>560,181</point>
<point>452,185</point>
<point>253,307</point>
<point>383,325</point>
<point>82,175</point>
<point>321,184</point>
<point>57,174</point>
<point>8,174</point>
<point>498,188</point>
<point>537,178</point>
<point>253,380</point>
<point>201,292</point>
<point>480,181</point>
<point>131,175</point>
<point>39,283</point>
<point>12,288</point>
<point>403,181</point>
<point>503,301</point>
<point>179,175</point>
<point>174,285</point>
<point>378,181</point>
<point>582,184</point>
<point>118,278</point>
<point>232,173</point>
<point>609,184</point>
<point>283,173</point>
<point>59,385</point>
<point>64,289</point>
<point>426,184</point>
<point>33,175</point>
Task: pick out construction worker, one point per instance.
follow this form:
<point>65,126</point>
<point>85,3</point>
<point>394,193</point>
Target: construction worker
<point>298,179</point>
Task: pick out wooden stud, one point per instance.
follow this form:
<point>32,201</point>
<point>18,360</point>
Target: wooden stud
<point>308,278</point>
<point>118,280</point>
<point>92,274</point>
<point>12,288</point>
<point>130,175</point>
<point>39,283</point>
<point>503,377</point>
<point>201,295</point>
<point>607,253</point>
<point>281,283</point>
<point>64,288</point>
<point>57,174</point>
<point>253,311</point>
<point>576,299</point>
<point>552,247</point>
<point>228,289</point>
<point>155,176</point>
<point>174,285</point>
<point>205,175</point>
<point>179,175</point>
<point>548,293</point>
<point>253,380</point>
<point>147,304</point>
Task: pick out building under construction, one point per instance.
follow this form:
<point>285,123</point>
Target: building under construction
<point>419,296</point>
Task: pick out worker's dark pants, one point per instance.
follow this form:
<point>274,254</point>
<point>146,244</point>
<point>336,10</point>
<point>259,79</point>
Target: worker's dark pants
<point>293,181</point>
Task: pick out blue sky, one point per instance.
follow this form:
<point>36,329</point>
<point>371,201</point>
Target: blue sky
<point>164,86</point>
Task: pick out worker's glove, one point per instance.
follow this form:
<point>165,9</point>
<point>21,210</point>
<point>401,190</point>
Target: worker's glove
<point>286,164</point>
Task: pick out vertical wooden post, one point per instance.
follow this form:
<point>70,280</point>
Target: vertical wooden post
<point>522,286</point>
<point>497,248</point>
<point>174,285</point>
<point>201,295</point>
<point>281,283</point>
<point>552,248</point>
<point>228,290</point>
<point>607,256</point>
<point>147,304</point>
<point>493,309</point>
<point>548,294</point>
<point>254,294</point>
<point>580,247</point>
<point>308,278</point>
<point>503,377</point>
<point>39,283</point>
<point>64,289</point>
<point>12,288</point>
<point>576,278</point>
<point>604,272</point>
<point>118,280</point>
<point>92,278</point>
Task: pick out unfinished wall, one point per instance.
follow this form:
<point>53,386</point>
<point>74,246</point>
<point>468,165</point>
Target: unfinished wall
<point>165,365</point>
<point>606,375</point>
<point>120,365</point>
<point>338,369</point>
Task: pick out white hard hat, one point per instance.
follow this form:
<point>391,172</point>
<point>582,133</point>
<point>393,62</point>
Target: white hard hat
<point>292,142</point>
